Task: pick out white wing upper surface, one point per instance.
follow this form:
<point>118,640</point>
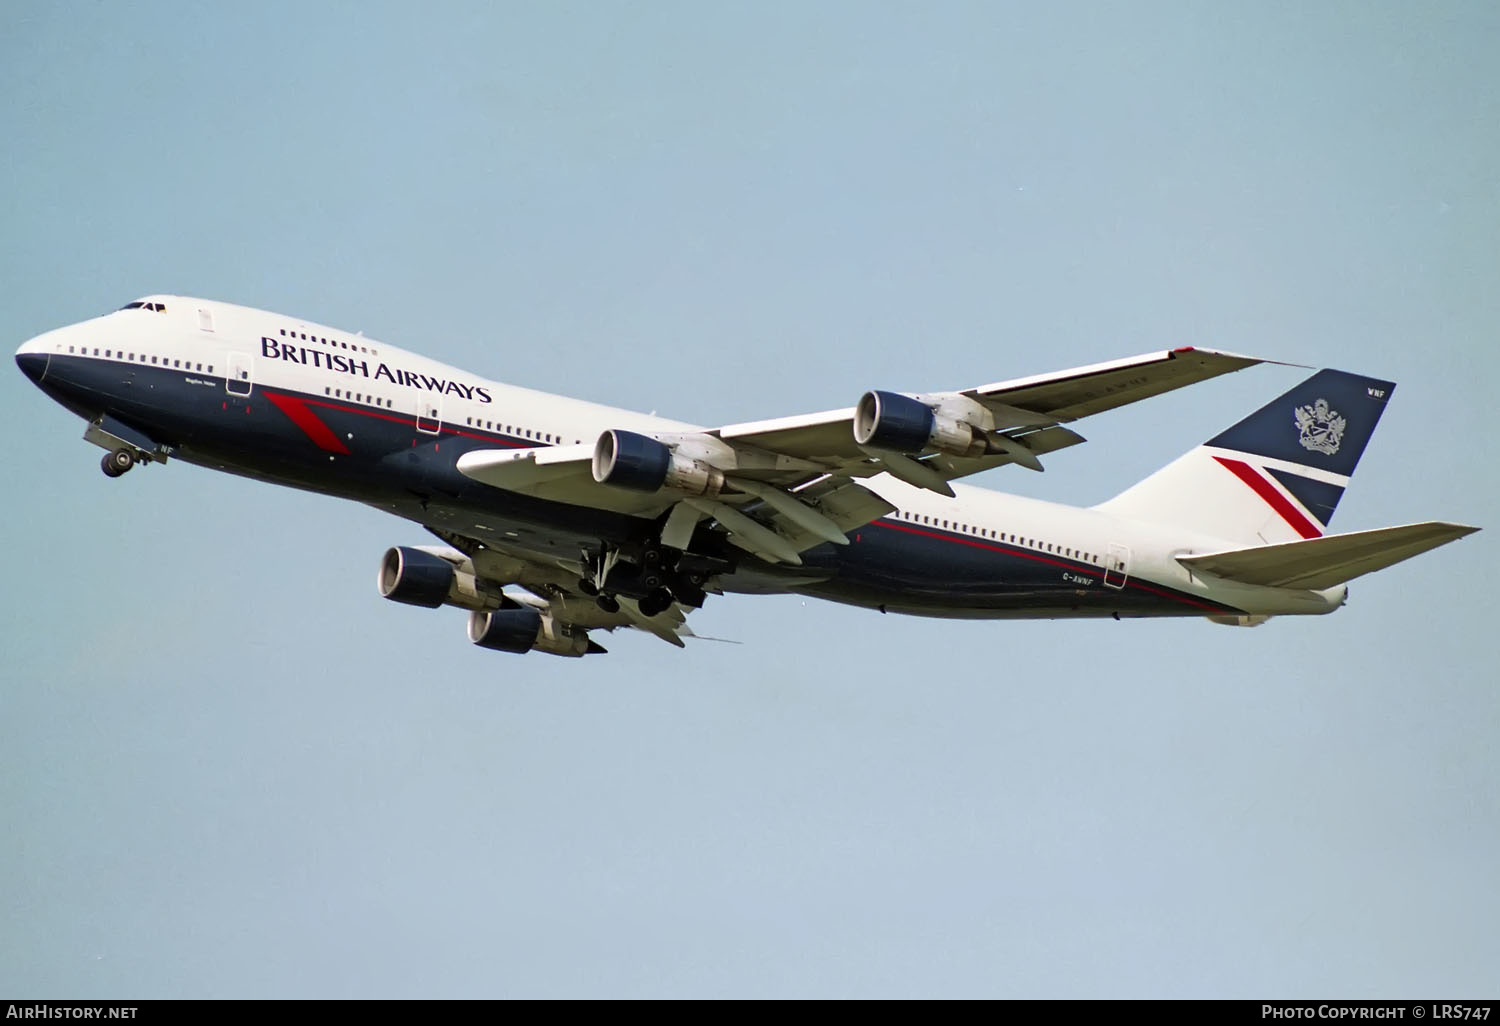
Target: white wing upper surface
<point>1019,406</point>
<point>815,461</point>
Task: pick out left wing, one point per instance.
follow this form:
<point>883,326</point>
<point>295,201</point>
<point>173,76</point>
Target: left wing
<point>779,487</point>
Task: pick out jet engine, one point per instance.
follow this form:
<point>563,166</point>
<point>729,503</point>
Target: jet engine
<point>527,630</point>
<point>628,460</point>
<point>891,422</point>
<point>421,578</point>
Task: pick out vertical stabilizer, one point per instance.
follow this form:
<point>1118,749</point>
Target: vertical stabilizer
<point>1274,477</point>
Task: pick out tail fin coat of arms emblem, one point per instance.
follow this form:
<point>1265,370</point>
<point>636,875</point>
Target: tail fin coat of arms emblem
<point>1322,429</point>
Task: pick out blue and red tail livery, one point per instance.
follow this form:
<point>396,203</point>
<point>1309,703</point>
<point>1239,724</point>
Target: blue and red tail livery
<point>1275,476</point>
<point>1324,423</point>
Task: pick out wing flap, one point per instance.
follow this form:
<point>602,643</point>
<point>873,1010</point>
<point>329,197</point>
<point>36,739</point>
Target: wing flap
<point>582,613</point>
<point>847,504</point>
<point>1324,562</point>
<point>1041,442</point>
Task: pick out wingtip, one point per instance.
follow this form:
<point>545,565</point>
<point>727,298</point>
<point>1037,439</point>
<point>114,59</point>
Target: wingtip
<point>1245,359</point>
<point>1453,530</point>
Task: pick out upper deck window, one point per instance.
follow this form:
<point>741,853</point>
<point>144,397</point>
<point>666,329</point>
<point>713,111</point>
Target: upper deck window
<point>142,305</point>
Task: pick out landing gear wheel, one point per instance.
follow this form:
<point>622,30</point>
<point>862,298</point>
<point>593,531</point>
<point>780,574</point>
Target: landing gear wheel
<point>116,463</point>
<point>659,601</point>
<point>607,603</point>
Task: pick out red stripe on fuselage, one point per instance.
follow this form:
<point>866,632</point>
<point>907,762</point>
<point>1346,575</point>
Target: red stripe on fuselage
<point>445,430</point>
<point>297,411</point>
<point>975,543</point>
<point>1266,490</point>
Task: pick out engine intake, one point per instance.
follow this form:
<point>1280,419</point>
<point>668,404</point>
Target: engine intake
<point>415,577</point>
<point>891,422</point>
<point>628,460</point>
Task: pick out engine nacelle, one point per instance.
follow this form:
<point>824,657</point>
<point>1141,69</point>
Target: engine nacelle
<point>420,578</point>
<point>415,577</point>
<point>526,630</point>
<point>891,422</point>
<point>628,460</point>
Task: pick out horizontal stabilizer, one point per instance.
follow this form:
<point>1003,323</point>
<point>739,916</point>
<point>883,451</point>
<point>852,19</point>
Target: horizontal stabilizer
<point>1324,562</point>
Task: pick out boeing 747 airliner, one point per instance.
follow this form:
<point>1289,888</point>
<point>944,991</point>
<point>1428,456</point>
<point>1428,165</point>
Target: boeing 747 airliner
<point>559,517</point>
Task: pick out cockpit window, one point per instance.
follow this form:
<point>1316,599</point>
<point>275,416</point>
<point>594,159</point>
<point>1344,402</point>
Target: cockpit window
<point>140,305</point>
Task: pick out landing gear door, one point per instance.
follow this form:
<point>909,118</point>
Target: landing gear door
<point>1116,566</point>
<point>430,413</point>
<point>238,376</point>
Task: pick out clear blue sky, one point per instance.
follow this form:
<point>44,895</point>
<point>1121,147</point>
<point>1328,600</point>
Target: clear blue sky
<point>227,768</point>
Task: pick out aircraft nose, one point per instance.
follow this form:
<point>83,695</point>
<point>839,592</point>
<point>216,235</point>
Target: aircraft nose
<point>33,358</point>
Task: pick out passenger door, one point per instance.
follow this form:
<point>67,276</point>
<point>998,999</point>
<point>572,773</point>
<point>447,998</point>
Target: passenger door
<point>238,375</point>
<point>430,413</point>
<point>1116,566</point>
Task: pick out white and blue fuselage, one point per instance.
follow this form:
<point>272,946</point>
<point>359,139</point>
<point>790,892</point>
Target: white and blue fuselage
<point>313,407</point>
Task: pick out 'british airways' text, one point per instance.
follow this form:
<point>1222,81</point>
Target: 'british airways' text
<point>271,349</point>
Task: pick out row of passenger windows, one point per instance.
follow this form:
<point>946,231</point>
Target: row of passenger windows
<point>359,397</point>
<point>490,425</point>
<point>337,393</point>
<point>331,343</point>
<point>163,362</point>
<point>986,532</point>
<point>506,429</point>
<point>543,436</point>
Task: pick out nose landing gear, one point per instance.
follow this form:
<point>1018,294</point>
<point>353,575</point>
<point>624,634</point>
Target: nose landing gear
<point>117,462</point>
<point>123,446</point>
